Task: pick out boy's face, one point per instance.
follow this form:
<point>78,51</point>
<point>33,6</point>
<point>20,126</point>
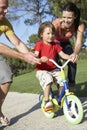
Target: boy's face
<point>48,35</point>
<point>3,8</point>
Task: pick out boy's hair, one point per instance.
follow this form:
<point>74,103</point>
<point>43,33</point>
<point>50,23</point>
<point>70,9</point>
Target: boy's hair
<point>43,26</point>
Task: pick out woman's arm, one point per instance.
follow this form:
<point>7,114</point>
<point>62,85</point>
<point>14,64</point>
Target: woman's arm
<point>78,42</point>
<point>79,38</point>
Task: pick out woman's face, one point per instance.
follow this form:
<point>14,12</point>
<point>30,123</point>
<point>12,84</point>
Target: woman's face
<point>68,19</point>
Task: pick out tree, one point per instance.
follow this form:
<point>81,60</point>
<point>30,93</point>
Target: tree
<point>32,40</point>
<point>58,4</point>
<point>35,10</point>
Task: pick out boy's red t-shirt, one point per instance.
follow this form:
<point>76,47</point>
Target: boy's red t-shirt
<point>50,51</point>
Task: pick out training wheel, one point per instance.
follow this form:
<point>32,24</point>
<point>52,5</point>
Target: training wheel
<point>49,115</point>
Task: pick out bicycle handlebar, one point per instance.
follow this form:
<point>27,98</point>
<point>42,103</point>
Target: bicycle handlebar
<point>60,67</point>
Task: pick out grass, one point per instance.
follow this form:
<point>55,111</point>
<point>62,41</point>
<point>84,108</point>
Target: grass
<point>28,83</point>
<point>81,78</point>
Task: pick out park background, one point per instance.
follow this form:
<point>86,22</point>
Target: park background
<point>26,16</point>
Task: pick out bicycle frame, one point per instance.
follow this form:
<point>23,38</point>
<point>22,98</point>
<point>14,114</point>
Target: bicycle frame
<point>71,104</point>
<point>65,89</point>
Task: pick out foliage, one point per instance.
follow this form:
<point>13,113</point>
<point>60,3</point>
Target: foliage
<point>58,4</point>
<point>35,10</point>
<point>32,40</point>
<point>18,66</point>
<point>83,54</point>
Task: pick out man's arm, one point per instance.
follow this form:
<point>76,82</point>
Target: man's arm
<point>22,48</point>
<point>27,57</point>
<point>19,45</point>
<point>10,52</point>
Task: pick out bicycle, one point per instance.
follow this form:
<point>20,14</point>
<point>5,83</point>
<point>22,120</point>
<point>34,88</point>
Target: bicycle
<point>71,104</point>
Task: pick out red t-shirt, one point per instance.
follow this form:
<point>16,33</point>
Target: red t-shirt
<point>50,51</point>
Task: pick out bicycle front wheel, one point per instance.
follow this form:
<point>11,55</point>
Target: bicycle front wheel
<point>74,114</point>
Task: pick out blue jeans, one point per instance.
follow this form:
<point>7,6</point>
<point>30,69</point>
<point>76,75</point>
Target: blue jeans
<point>71,74</point>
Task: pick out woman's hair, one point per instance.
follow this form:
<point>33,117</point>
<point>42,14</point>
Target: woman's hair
<point>43,26</point>
<point>71,7</point>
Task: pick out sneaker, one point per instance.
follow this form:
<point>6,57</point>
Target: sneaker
<point>48,106</point>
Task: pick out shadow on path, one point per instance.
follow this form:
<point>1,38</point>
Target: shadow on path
<point>38,106</point>
<point>16,118</point>
<point>59,113</point>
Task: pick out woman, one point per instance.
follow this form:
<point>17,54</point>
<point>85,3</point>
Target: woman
<point>66,27</point>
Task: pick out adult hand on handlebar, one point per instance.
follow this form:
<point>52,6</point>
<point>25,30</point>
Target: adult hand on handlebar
<point>74,57</point>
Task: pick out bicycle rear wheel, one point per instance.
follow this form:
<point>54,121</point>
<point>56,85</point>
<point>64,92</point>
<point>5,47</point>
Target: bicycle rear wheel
<point>74,114</point>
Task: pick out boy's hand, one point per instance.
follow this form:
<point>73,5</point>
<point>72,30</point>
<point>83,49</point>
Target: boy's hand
<point>43,59</point>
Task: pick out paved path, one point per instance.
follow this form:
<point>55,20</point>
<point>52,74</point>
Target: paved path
<point>25,114</point>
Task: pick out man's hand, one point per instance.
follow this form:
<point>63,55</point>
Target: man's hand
<point>31,58</point>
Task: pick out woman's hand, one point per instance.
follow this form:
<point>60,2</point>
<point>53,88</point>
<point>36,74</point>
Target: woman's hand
<point>74,57</point>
